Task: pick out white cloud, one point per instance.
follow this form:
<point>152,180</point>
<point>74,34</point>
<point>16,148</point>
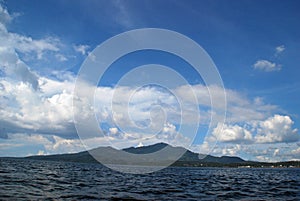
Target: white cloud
<point>276,152</point>
<point>81,49</point>
<point>113,131</point>
<point>279,50</point>
<point>273,153</point>
<point>41,152</point>
<point>266,66</point>
<point>123,14</point>
<point>239,107</point>
<point>254,152</point>
<point>295,154</point>
<point>28,45</point>
<point>277,129</point>
<point>269,66</point>
<point>169,134</point>
<point>232,134</point>
<point>5,17</point>
<point>231,150</point>
<point>48,110</point>
<point>13,44</point>
<point>29,102</point>
<point>169,128</point>
<point>44,144</point>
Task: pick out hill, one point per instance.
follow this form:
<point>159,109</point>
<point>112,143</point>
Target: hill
<point>129,157</point>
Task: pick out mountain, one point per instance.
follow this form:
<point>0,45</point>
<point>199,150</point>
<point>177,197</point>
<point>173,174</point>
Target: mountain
<point>166,156</point>
<point>159,154</point>
<point>187,156</point>
<point>82,157</point>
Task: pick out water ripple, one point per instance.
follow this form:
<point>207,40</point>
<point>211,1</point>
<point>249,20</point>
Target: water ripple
<point>42,180</point>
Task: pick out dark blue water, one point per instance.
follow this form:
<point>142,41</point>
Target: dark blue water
<point>42,180</point>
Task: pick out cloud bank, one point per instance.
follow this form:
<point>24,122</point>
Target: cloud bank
<point>36,111</point>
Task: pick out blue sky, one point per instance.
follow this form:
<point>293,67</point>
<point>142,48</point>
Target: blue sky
<point>254,44</point>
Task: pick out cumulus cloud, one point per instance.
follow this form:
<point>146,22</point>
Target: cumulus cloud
<point>273,153</point>
<point>253,152</point>
<point>267,66</point>
<point>277,129</point>
<point>47,111</point>
<point>13,44</point>
<point>169,134</point>
<point>27,103</point>
<point>33,144</point>
<point>232,134</point>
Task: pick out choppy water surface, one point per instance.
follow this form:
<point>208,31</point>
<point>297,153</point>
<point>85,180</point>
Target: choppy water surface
<point>42,180</point>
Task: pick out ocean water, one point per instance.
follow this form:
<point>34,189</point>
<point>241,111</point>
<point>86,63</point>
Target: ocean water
<point>45,180</point>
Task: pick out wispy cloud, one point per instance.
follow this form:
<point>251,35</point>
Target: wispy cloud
<point>61,57</point>
<point>279,50</point>
<point>123,14</point>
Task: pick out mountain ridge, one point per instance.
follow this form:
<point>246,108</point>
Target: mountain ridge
<point>188,159</point>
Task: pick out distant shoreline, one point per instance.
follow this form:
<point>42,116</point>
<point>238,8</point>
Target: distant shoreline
<point>256,165</point>
<point>188,159</point>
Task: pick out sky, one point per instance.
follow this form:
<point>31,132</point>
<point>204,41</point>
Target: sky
<point>254,44</point>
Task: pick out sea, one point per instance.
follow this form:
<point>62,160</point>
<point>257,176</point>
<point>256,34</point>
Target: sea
<point>49,180</point>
